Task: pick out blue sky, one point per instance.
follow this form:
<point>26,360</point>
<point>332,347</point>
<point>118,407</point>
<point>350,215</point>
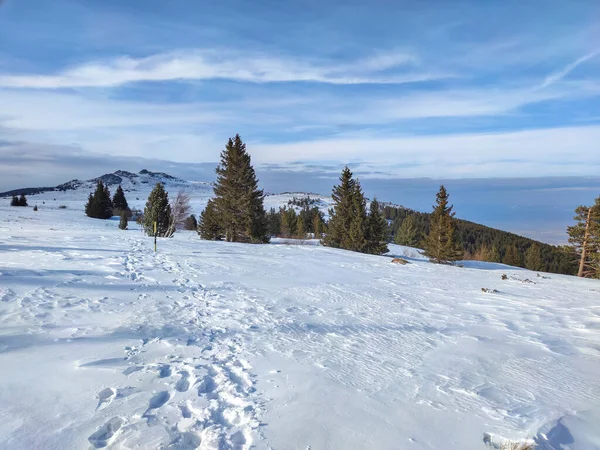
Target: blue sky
<point>397,89</point>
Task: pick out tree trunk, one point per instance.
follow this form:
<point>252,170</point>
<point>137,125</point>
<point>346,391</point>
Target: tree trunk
<point>585,244</point>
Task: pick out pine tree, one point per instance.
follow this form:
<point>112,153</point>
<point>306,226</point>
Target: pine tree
<point>340,216</point>
<point>407,233</point>
<point>288,222</point>
<point>377,234</point>
<point>441,245</point>
<point>359,224</point>
<point>512,257</point>
<point>22,200</point>
<point>119,202</point>
<point>99,205</point>
<point>584,237</point>
<point>318,225</point>
<point>238,201</point>
<point>107,197</point>
<point>300,229</point>
<point>191,223</point>
<point>274,222</point>
<point>123,222</point>
<point>533,258</point>
<point>14,201</point>
<point>157,210</point>
<point>209,227</point>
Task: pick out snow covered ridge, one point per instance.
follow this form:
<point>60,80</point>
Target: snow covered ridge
<point>210,345</point>
<point>137,187</point>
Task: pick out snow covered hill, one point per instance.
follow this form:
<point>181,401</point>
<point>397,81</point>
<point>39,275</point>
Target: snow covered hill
<point>210,345</point>
<point>137,186</point>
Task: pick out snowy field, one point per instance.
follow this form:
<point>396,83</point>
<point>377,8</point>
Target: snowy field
<point>105,344</point>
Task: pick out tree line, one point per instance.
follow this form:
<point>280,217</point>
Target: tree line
<point>236,213</point>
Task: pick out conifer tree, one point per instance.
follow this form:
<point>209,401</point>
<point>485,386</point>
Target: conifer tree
<point>533,258</point>
<point>359,224</point>
<point>512,257</point>
<point>238,201</point>
<point>157,210</point>
<point>584,237</point>
<point>22,200</point>
<point>407,233</point>
<point>191,223</point>
<point>340,216</point>
<point>209,227</point>
<point>274,222</point>
<point>14,201</point>
<point>119,201</point>
<point>123,221</point>
<point>300,229</point>
<point>441,245</point>
<point>377,234</point>
<point>318,225</point>
<point>99,205</point>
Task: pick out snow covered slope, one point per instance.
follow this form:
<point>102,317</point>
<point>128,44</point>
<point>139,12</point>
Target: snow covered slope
<point>105,344</point>
<point>137,186</point>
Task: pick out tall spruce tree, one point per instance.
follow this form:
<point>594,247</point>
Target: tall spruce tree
<point>407,233</point>
<point>441,245</point>
<point>377,235</point>
<point>14,201</point>
<point>22,200</point>
<point>157,210</point>
<point>533,258</point>
<point>99,204</point>
<point>238,201</point>
<point>209,227</point>
<point>340,216</point>
<point>119,201</point>
<point>584,238</point>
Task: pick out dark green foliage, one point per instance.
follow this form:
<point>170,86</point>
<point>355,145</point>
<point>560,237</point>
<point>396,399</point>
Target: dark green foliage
<point>238,203</point>
<point>123,222</point>
<point>303,202</point>
<point>209,226</point>
<point>441,244</point>
<point>378,234</point>
<point>474,238</point>
<point>340,217</point>
<point>18,201</point>
<point>289,222</point>
<point>273,222</point>
<point>356,236</point>
<point>533,258</point>
<point>513,257</point>
<point>157,210</point>
<point>407,233</point>
<point>584,238</point>
<point>119,201</point>
<point>350,227</point>
<point>99,205</point>
<point>191,223</point>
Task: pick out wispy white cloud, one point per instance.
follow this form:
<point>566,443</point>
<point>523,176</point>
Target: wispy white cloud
<point>558,76</point>
<point>538,152</point>
<point>213,64</point>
